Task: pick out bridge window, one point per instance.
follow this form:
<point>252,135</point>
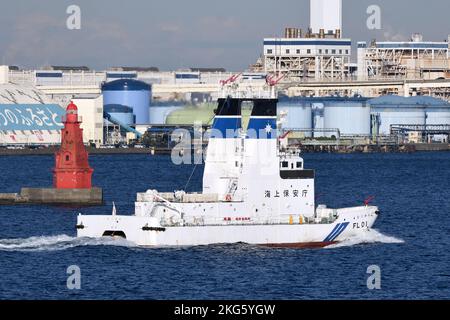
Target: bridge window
<point>299,165</point>
<point>269,51</point>
<point>288,51</point>
<point>285,164</point>
<point>67,158</point>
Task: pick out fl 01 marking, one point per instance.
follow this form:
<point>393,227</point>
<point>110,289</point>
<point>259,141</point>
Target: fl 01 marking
<point>360,225</point>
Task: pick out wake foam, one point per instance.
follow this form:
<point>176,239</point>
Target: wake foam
<point>59,242</point>
<point>371,236</point>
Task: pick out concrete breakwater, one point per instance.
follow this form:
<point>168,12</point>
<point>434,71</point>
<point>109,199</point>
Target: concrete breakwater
<point>40,196</point>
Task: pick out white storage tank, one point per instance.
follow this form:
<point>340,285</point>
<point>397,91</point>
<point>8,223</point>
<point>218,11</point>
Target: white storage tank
<point>394,110</point>
<point>296,113</point>
<point>437,110</point>
<point>350,115</point>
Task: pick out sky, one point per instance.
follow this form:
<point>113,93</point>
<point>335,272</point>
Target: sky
<point>175,34</point>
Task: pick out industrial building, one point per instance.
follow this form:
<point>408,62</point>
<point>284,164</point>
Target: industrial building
<point>326,117</point>
<point>27,116</point>
<point>415,59</point>
<point>320,53</point>
<point>358,117</point>
<point>390,113</point>
<point>126,108</point>
<point>90,110</point>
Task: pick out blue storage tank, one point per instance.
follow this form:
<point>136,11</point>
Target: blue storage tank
<point>121,113</point>
<point>131,93</point>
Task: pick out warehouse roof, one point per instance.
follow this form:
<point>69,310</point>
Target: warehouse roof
<point>410,101</point>
<point>19,94</point>
<point>322,99</point>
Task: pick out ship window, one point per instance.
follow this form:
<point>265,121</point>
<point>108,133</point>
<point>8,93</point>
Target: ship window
<point>299,164</point>
<point>269,51</point>
<point>298,51</point>
<point>288,51</point>
<point>308,51</point>
<point>284,164</point>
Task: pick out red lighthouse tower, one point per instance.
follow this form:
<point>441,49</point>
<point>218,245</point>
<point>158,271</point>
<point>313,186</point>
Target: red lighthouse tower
<point>72,170</point>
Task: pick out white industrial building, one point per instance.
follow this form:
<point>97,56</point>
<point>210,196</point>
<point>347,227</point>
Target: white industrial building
<point>318,54</point>
<point>90,109</point>
<point>415,59</point>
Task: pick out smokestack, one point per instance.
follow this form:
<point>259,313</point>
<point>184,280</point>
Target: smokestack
<point>322,33</point>
<point>325,14</point>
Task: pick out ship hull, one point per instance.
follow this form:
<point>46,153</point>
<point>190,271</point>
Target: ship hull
<point>146,231</point>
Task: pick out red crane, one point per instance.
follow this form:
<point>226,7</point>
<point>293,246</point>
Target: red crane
<point>231,79</point>
<point>273,80</point>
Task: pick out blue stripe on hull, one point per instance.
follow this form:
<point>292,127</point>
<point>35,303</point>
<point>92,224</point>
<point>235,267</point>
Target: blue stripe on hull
<point>337,231</point>
<point>327,239</point>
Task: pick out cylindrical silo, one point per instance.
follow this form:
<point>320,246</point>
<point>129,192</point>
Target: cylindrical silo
<point>438,116</point>
<point>395,110</point>
<point>120,113</point>
<point>296,114</point>
<point>388,117</point>
<point>131,93</point>
<point>350,115</point>
<point>437,110</point>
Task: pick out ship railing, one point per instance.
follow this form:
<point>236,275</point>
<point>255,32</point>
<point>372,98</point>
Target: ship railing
<point>239,221</point>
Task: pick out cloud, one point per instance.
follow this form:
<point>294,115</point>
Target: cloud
<point>41,39</point>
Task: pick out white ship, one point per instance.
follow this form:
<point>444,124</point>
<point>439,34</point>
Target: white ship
<point>254,192</point>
